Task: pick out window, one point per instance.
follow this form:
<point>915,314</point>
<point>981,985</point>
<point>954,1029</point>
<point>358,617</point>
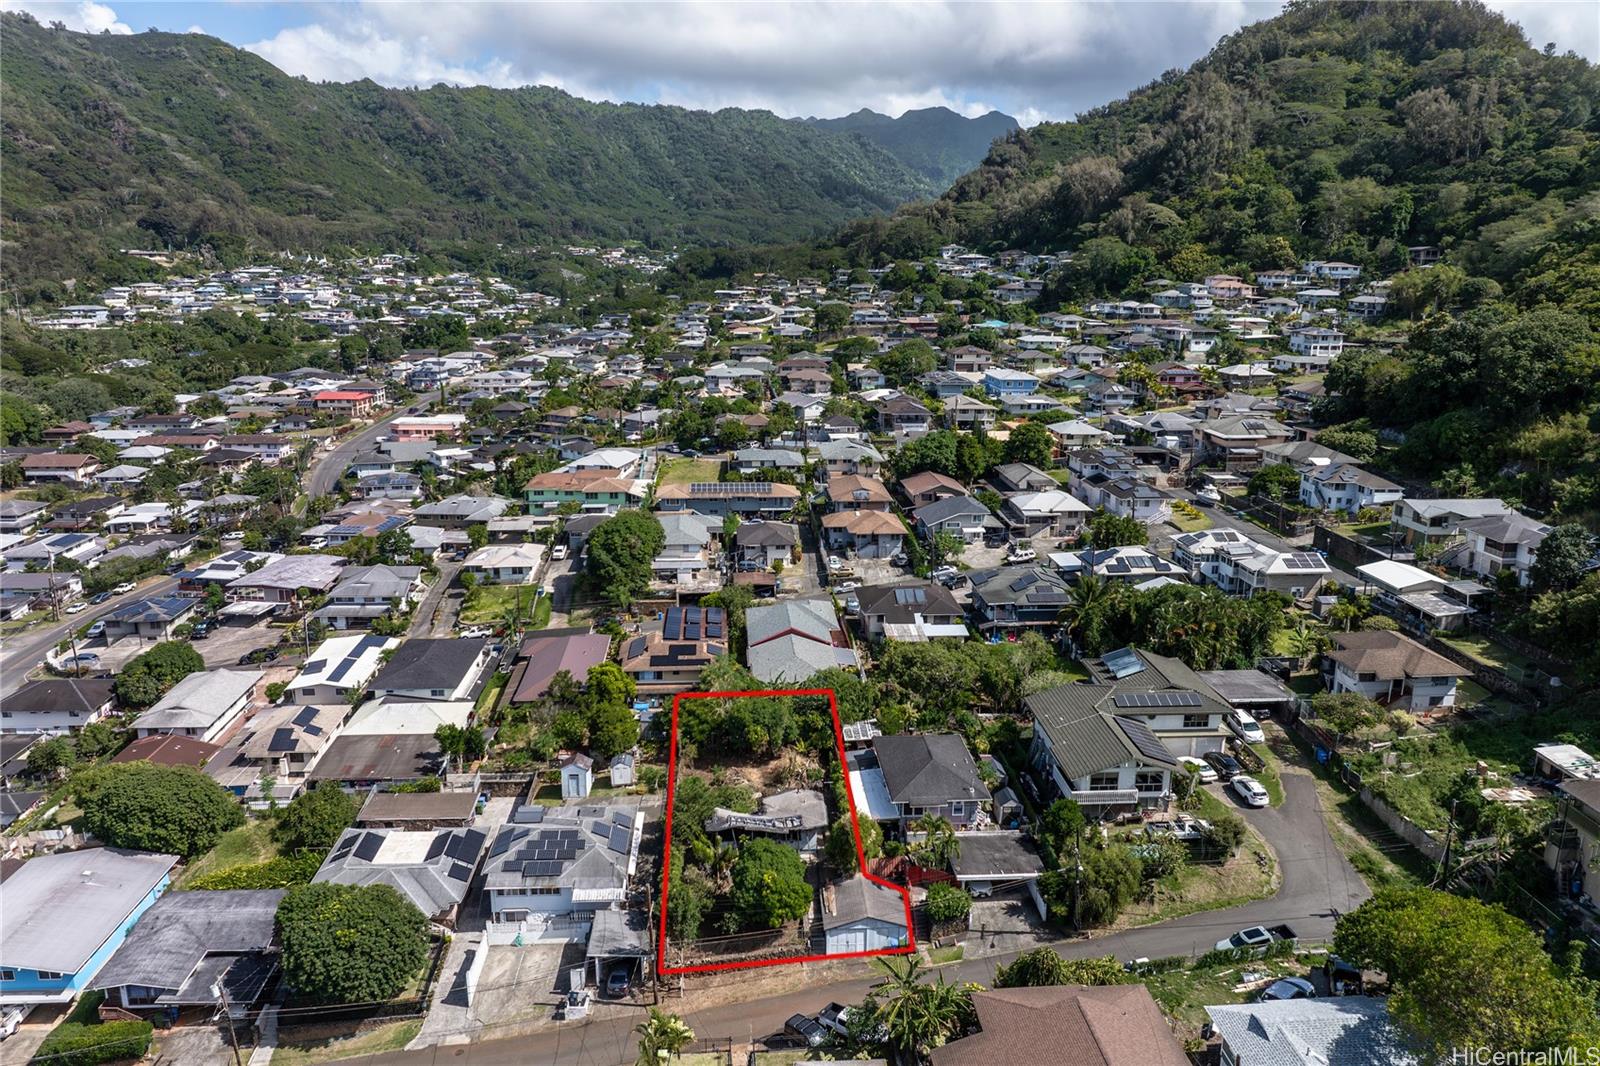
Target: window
<point>8,975</point>
<point>1196,721</point>
<point>48,975</point>
<point>1149,781</point>
<point>1107,782</point>
<point>1366,677</point>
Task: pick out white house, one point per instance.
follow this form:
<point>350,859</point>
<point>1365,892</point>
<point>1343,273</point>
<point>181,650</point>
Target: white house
<point>1501,543</point>
<point>1392,669</point>
<point>204,705</point>
<point>550,870</point>
<point>1346,487</point>
<point>505,564</point>
<point>338,667</point>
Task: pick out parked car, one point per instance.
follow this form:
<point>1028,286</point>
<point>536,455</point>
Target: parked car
<point>1255,938</point>
<point>233,536</point>
<point>476,632</point>
<point>847,586</point>
<point>852,604</point>
<point>995,538</point>
<point>949,577</point>
<point>900,559</point>
<point>807,1029</point>
<point>200,630</point>
<point>1021,553</point>
<point>1245,727</point>
<point>1197,765</point>
<point>1288,988</point>
<point>558,552</point>
<point>835,1017</point>
<point>1224,764</point>
<point>96,628</point>
<point>1250,791</point>
<point>174,567</point>
<point>124,588</point>
<point>618,981</point>
<point>84,660</point>
<point>259,655</point>
<point>77,608</point>
<point>98,598</point>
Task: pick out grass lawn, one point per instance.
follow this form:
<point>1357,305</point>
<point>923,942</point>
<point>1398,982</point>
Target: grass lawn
<point>705,1058</point>
<point>541,613</point>
<point>1184,994</point>
<point>295,1049</point>
<point>495,603</point>
<point>1250,875</point>
<point>953,953</point>
<point>1375,530</point>
<point>1191,523</point>
<point>249,844</point>
<point>1268,775</point>
<point>680,470</point>
<point>1483,648</point>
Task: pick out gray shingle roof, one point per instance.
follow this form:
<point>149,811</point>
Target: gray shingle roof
<point>60,909</point>
<point>428,664</point>
<point>199,700</point>
<point>172,938</point>
<point>858,898</point>
<point>1349,1030</point>
<point>1086,737</point>
<point>926,771</point>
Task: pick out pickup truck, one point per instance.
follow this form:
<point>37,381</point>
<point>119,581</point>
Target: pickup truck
<point>835,1017</point>
<point>1256,939</point>
<point>808,1030</point>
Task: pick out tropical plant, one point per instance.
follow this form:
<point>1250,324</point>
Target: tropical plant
<point>661,1036</point>
<point>939,845</point>
<point>918,1015</point>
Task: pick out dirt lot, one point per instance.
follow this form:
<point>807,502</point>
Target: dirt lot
<point>775,775</point>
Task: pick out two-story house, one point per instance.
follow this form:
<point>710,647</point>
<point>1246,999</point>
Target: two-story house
<point>1501,543</point>
<point>1017,598</point>
<point>670,660</point>
<point>904,778</point>
<point>1346,487</point>
<point>1392,669</point>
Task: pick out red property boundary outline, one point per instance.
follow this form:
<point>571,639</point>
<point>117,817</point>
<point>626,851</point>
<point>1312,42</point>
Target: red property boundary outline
<point>855,825</point>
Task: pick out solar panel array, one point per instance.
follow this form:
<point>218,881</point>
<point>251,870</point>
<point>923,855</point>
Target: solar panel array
<point>1303,561</point>
<point>282,740</point>
<point>694,623</point>
<point>915,594</point>
<point>1122,662</point>
<point>1158,699</point>
<point>1147,743</point>
<point>730,488</point>
<point>368,847</point>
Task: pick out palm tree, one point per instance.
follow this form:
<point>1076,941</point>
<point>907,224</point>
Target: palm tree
<point>939,845</point>
<point>1302,643</point>
<point>1090,597</point>
<point>918,1015</point>
<point>661,1036</point>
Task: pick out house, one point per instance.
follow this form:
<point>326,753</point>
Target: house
<point>999,381</point>
<point>763,544</point>
<point>1051,511</point>
<point>189,945</point>
<point>870,534</point>
<point>406,716</point>
<point>1346,487</point>
<point>56,706</point>
<point>68,468</point>
<point>687,555</point>
<point>205,705</point>
<point>1437,521</point>
<point>1235,442</point>
<point>853,492</point>
<point>960,516</point>
<point>550,870</point>
<point>52,552</point>
<point>1109,763</point>
<point>903,416</point>
<point>169,749</point>
<point>577,775</point>
<point>917,776</point>
<point>367,593</point>
<point>505,564</point>
<point>967,414</point>
<point>1018,598</point>
<point>1239,566</point>
<point>47,959</point>
<point>430,868</point>
<point>845,456</point>
<point>670,661</point>
<point>281,579</point>
<point>912,611</point>
<point>1128,565</point>
<point>754,460</point>
<point>1009,478</point>
<point>1500,544</point>
<point>1392,669</point>
<point>1572,849</point>
<point>1417,598</point>
<point>1317,341</point>
<point>1124,494</point>
<point>1348,1030</point>
<point>543,656</point>
<point>148,619</point>
<point>592,490</point>
<point>364,761</point>
<point>418,810</point>
<point>20,516</point>
<point>459,512</point>
<point>794,639</point>
<point>1112,1025</point>
<point>21,591</point>
<point>748,499</point>
<point>343,402</point>
<point>1075,433</point>
<point>864,916</point>
<point>337,668</point>
<point>796,817</point>
<point>928,486</point>
<point>449,669</point>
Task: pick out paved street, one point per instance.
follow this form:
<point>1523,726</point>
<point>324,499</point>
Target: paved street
<point>1318,883</point>
<point>22,653</point>
<point>328,466</point>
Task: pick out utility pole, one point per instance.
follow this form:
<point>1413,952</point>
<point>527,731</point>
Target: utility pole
<point>227,1014</point>
<point>1449,836</point>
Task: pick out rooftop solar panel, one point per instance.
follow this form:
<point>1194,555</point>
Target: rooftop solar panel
<point>436,848</point>
<point>620,838</point>
<point>1122,662</point>
<point>1157,699</point>
<point>461,871</point>
<point>367,850</point>
<point>282,740</point>
<point>306,717</point>
<point>1147,743</point>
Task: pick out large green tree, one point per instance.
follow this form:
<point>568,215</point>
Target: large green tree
<point>349,943</point>
<point>619,553</point>
<point>769,886</point>
<point>1469,974</point>
<point>149,675</point>
<point>150,807</point>
<point>315,818</point>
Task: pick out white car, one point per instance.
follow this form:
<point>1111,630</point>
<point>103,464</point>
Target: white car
<point>1197,765</point>
<point>476,632</point>
<point>77,608</point>
<point>124,588</point>
<point>1021,554</point>
<point>1246,727</point>
<point>847,586</point>
<point>1253,939</point>
<point>95,629</point>
<point>558,552</point>
<point>1250,791</point>
<point>233,536</point>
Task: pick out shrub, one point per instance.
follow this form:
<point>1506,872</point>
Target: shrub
<point>77,1044</point>
<point>146,807</point>
<point>947,903</point>
<point>1226,833</point>
<point>284,871</point>
<point>350,944</point>
<point>315,818</point>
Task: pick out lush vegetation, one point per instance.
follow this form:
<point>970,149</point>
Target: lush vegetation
<point>934,141</point>
<point>1042,966</point>
<point>315,818</point>
<point>619,552</point>
<point>1465,972</point>
<point>82,1039</point>
<point>350,944</point>
<point>148,807</point>
<point>160,139</point>
<point>150,674</point>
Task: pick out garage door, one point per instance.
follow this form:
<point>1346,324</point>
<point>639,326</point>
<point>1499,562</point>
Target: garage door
<point>847,940</point>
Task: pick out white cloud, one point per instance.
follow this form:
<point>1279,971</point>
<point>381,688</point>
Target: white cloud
<point>791,58</point>
<point>85,16</point>
<point>1571,24</point>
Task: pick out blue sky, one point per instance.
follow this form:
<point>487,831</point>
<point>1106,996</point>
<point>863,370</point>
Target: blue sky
<point>1033,61</point>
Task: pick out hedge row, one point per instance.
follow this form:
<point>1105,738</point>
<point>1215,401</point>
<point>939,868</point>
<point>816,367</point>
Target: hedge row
<point>76,1044</point>
<point>284,871</point>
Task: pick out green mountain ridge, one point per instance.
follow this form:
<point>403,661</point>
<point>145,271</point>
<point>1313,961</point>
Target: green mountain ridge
<point>182,139</point>
<point>936,142</point>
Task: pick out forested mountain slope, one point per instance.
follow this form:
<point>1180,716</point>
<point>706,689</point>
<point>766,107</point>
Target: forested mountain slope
<point>934,141</point>
<point>161,138</point>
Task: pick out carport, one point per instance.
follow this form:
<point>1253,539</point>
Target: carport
<point>247,612</point>
<point>994,861</point>
<point>618,937</point>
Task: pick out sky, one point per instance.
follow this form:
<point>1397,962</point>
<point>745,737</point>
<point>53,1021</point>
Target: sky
<point>1034,61</point>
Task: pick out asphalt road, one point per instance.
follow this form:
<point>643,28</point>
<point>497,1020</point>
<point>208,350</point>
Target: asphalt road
<point>1318,883</point>
<point>330,466</point>
<point>22,653</point>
